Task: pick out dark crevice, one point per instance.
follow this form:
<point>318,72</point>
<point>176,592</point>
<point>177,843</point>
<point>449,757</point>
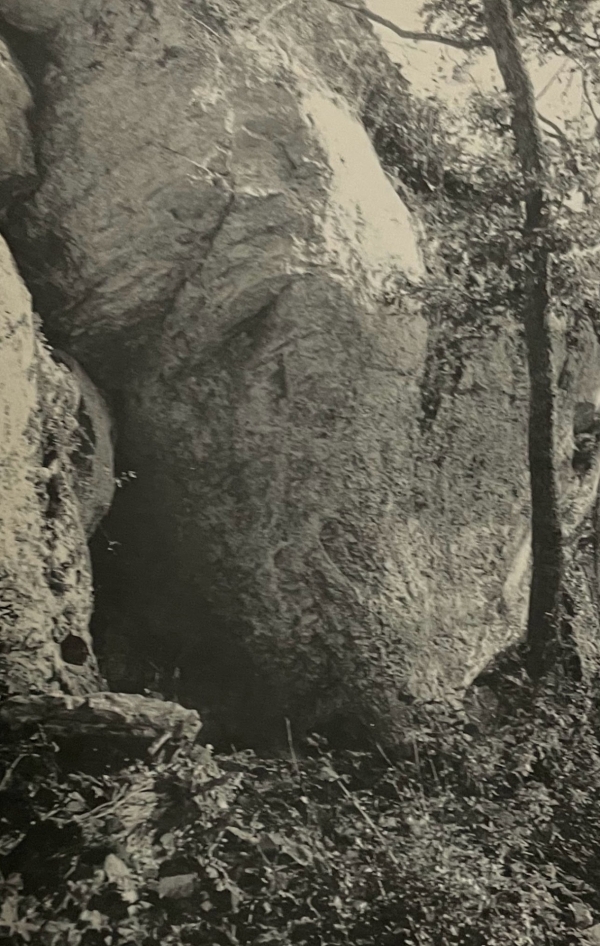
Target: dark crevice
<point>74,650</point>
<point>54,502</point>
<point>50,455</point>
<point>250,325</point>
<point>30,57</point>
<point>56,582</point>
<point>156,632</point>
<point>34,256</point>
<point>85,422</point>
<point>32,54</point>
<point>585,453</point>
<point>82,455</point>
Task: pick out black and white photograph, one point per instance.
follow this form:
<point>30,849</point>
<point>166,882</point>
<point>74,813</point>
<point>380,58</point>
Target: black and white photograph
<point>299,472</point>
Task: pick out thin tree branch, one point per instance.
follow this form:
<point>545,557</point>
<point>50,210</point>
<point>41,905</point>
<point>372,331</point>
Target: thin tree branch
<point>466,44</point>
<point>587,96</point>
<point>551,81</point>
<point>559,135</point>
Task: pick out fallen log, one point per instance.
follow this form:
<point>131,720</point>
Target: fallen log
<point>124,715</point>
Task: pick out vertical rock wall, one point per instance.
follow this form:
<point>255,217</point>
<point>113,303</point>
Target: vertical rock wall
<point>45,577</point>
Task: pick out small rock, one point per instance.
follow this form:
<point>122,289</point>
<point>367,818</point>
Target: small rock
<point>583,915</point>
<point>592,936</point>
<point>177,887</point>
<point>116,871</point>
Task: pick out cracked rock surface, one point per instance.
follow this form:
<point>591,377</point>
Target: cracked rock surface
<point>45,576</point>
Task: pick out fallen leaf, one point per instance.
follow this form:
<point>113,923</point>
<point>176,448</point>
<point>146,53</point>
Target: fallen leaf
<point>243,835</point>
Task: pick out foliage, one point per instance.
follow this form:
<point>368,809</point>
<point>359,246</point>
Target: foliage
<point>483,830</point>
<point>570,27</point>
<point>458,173</point>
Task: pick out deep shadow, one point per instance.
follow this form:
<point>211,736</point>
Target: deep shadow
<point>150,637</point>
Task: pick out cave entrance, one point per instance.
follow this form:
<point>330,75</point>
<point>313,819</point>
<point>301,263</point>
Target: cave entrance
<point>156,634</point>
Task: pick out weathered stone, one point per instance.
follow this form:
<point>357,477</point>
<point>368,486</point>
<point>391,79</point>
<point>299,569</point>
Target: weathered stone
<point>37,16</point>
<point>222,235</point>
<point>45,580</point>
<point>92,456</point>
<point>592,936</point>
<point>108,715</point>
<point>17,166</point>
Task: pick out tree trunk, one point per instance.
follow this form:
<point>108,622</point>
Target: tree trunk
<point>545,603</point>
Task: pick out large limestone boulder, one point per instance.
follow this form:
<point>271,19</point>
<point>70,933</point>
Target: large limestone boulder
<point>217,237</point>
<point>45,576</point>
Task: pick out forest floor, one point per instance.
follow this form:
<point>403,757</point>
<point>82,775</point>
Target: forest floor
<point>474,834</point>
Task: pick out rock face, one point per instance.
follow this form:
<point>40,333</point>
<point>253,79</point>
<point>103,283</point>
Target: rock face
<point>17,166</point>
<point>45,579</point>
<point>37,16</point>
<point>217,236</point>
<point>92,455</point>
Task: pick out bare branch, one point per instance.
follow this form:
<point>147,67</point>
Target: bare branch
<point>558,134</point>
<point>587,96</point>
<point>551,81</point>
<point>467,44</point>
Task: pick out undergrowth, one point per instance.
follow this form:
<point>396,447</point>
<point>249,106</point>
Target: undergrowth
<point>479,832</point>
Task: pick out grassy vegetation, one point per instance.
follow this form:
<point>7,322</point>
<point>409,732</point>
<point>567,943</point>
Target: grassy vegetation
<point>483,830</point>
